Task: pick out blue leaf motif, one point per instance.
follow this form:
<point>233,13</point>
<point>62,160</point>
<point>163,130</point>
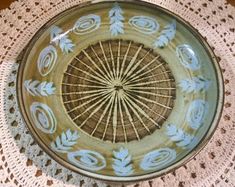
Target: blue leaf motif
<point>65,141</point>
<point>167,34</point>
<point>122,162</point>
<point>195,84</point>
<point>61,39</point>
<point>116,20</point>
<point>35,88</point>
<point>177,135</point>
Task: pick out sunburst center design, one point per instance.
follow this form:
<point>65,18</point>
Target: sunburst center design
<point>118,91</point>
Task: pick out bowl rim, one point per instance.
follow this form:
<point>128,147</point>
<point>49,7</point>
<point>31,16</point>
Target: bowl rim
<point>189,156</point>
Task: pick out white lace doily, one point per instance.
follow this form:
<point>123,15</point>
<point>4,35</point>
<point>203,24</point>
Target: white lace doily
<point>23,163</point>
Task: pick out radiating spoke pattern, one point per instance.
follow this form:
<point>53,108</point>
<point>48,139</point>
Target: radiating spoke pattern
<point>118,91</point>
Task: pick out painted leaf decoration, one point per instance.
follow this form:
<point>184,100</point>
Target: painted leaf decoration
<point>116,8</point>
<point>161,42</point>
<point>66,44</point>
<point>187,141</point>
<point>178,136</point>
<point>69,133</point>
<point>194,142</point>
<point>59,144</point>
<point>171,130</point>
<point>63,137</point>
<point>65,141</point>
<point>181,138</point>
<point>195,84</point>
<point>116,20</point>
<point>35,88</point>
<point>75,135</point>
<point>166,35</point>
<point>122,162</point>
<point>169,31</point>
<point>31,86</point>
<point>61,39</point>
<point>41,88</point>
<point>55,31</point>
<point>49,88</point>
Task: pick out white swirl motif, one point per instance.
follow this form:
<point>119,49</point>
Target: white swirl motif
<point>86,159</point>
<point>43,117</point>
<point>187,57</point>
<point>144,24</point>
<point>87,24</point>
<point>158,159</point>
<point>196,113</point>
<point>46,60</point>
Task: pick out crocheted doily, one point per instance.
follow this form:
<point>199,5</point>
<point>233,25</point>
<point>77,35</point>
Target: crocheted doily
<point>23,162</point>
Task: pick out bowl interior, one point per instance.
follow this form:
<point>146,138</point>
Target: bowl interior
<point>119,91</point>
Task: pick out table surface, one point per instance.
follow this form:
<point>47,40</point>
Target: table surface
<point>6,3</point>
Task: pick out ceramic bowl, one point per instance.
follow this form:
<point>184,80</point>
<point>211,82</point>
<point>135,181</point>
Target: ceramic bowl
<point>120,90</point>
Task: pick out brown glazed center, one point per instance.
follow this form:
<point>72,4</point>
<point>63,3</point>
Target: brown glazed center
<point>118,91</point>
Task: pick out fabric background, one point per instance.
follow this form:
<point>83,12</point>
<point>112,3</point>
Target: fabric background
<point>23,163</point>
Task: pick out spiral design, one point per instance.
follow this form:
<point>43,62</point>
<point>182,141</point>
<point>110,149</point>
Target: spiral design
<point>158,158</point>
<point>196,113</point>
<point>46,60</point>
<point>43,117</point>
<point>187,57</point>
<point>86,159</point>
<point>87,24</point>
<point>144,24</point>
